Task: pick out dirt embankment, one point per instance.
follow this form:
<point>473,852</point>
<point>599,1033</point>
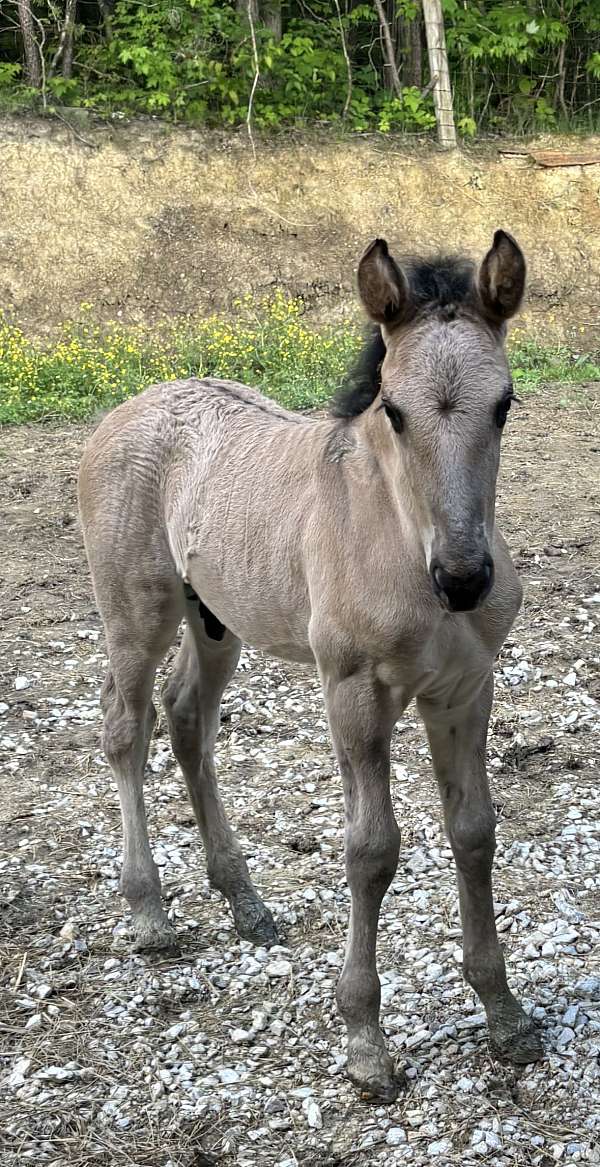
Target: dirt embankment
<point>143,220</point>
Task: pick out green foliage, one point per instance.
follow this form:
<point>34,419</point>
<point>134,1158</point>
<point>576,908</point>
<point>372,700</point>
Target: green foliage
<point>411,109</point>
<point>593,65</point>
<point>201,65</point>
<point>532,364</point>
<point>266,343</point>
<point>9,72</point>
<point>513,65</point>
<point>523,65</point>
<point>467,127</point>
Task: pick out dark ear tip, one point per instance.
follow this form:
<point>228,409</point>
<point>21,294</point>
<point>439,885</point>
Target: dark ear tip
<point>379,245</point>
<point>501,236</point>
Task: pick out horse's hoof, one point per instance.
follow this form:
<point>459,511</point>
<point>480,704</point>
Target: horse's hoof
<point>372,1071</point>
<point>254,922</point>
<point>159,938</point>
<point>522,1047</point>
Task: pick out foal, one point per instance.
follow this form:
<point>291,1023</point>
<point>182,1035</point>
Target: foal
<point>366,543</point>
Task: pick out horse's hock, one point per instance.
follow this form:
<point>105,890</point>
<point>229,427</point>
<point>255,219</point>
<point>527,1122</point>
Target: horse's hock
<point>142,220</point>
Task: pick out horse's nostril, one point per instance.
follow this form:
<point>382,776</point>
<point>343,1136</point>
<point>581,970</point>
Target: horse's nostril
<point>462,593</point>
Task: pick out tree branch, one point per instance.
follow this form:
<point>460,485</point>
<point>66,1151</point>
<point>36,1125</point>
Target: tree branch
<point>251,7</point>
<point>347,59</point>
<point>390,58</point>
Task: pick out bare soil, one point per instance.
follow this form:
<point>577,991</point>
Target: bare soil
<point>62,918</point>
<point>143,220</point>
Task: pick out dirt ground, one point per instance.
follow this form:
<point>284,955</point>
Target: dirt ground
<point>142,220</point>
<point>86,1029</point>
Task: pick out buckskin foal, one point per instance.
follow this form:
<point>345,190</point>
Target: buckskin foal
<point>364,542</point>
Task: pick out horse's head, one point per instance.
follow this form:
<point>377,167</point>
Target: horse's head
<point>445,395</point>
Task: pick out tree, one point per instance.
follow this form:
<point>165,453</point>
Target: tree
<point>271,14</point>
<point>248,8</point>
<point>64,51</point>
<point>409,34</point>
<point>33,64</point>
<point>266,12</point>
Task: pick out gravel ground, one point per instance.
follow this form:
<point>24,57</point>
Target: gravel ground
<point>234,1055</point>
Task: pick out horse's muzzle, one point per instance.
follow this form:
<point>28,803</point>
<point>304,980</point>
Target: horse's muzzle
<point>462,593</point>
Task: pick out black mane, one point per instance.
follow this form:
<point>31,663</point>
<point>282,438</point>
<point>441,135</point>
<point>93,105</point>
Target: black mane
<point>363,382</point>
<point>442,282</point>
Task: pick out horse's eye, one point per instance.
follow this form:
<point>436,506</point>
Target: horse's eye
<point>502,412</point>
<point>394,417</point>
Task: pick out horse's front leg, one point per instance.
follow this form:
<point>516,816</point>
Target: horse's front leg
<point>457,737</point>
<point>361,725</point>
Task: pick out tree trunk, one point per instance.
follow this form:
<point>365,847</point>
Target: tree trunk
<point>438,66</point>
<point>391,45</point>
<point>105,13</point>
<point>64,51</point>
<point>270,11</point>
<point>560,85</point>
<point>414,72</point>
<point>410,50</point>
<point>67,60</point>
<point>33,66</point>
<point>242,9</point>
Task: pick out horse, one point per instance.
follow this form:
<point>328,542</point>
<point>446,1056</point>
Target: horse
<point>364,543</point>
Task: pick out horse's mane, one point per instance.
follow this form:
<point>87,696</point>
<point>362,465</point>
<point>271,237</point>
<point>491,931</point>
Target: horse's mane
<point>440,282</point>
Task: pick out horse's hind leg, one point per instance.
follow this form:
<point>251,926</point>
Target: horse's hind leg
<point>136,644</point>
<point>192,699</point>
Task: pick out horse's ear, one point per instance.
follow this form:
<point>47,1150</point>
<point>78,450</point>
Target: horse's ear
<point>382,285</point>
<point>502,278</point>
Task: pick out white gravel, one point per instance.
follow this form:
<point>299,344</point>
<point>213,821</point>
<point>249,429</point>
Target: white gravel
<point>233,1055</point>
<point>244,1045</point>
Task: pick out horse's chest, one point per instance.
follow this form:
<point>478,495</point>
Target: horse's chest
<point>434,661</point>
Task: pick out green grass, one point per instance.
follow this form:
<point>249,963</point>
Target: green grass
<point>264,343</point>
<point>534,365</point>
<point>86,368</point>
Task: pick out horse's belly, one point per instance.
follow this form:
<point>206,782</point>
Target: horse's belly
<point>272,620</point>
<point>279,634</point>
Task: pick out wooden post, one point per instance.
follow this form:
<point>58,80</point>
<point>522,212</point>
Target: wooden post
<point>438,66</point>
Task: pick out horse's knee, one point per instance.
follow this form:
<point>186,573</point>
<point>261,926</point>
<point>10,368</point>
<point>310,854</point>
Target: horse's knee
<point>118,737</point>
<point>473,840</point>
<point>372,854</point>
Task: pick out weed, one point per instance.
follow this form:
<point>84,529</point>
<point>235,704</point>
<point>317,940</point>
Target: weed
<point>266,343</point>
